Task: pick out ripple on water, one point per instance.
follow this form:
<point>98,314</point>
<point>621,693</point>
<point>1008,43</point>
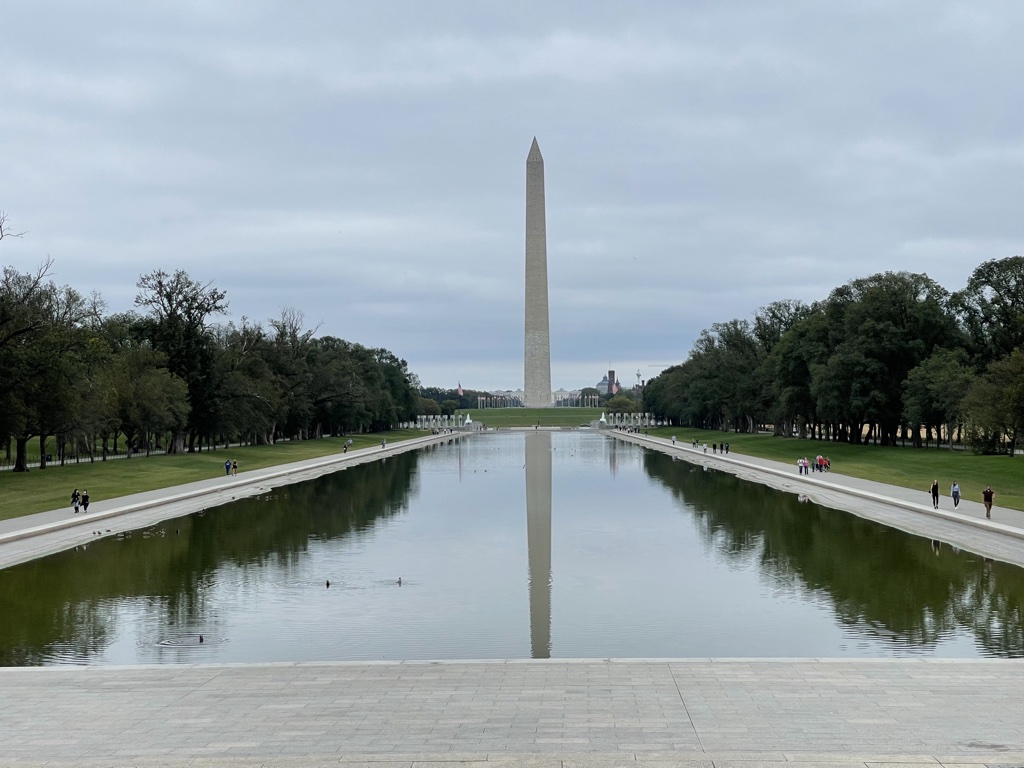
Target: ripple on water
<point>287,584</point>
<point>191,640</point>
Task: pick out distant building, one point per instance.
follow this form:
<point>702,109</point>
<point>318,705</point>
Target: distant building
<point>609,384</point>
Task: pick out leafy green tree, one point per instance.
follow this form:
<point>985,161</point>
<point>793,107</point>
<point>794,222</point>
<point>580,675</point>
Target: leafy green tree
<point>771,324</point>
<point>150,399</point>
<point>877,330</point>
<point>43,342</point>
<point>994,406</point>
<point>794,406</point>
<point>448,407</point>
<point>934,391</point>
<point>336,385</point>
<point>179,311</point>
<point>429,407</point>
<point>287,352</point>
<point>991,308</point>
<point>248,402</point>
<point>621,404</point>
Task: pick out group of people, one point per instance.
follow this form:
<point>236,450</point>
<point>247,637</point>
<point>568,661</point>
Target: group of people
<point>820,463</point>
<point>80,500</point>
<point>722,448</point>
<point>987,496</point>
<point>230,467</point>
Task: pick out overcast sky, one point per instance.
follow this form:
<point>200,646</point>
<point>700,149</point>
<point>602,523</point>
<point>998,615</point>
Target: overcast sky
<point>365,162</point>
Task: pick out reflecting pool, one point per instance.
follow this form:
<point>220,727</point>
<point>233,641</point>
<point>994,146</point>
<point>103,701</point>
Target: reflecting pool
<point>511,545</point>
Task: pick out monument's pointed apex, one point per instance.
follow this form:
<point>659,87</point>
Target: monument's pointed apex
<point>534,151</point>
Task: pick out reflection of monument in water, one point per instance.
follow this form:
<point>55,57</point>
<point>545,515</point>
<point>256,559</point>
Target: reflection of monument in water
<point>538,538</point>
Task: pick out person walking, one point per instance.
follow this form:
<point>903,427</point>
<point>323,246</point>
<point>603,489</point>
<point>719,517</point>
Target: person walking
<point>954,491</point>
<point>76,499</point>
<point>85,501</point>
<point>986,496</point>
<point>227,467</point>
<point>673,439</point>
<point>935,494</point>
<point>234,467</point>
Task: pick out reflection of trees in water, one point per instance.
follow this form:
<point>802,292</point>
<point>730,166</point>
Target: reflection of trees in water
<point>68,600</point>
<point>879,580</point>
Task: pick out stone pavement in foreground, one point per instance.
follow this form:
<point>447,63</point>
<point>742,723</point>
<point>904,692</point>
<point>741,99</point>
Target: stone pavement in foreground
<point>740,713</point>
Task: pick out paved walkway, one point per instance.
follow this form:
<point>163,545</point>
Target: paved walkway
<point>558,714</point>
<point>1001,538</point>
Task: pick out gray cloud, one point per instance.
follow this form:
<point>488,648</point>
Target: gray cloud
<point>366,164</point>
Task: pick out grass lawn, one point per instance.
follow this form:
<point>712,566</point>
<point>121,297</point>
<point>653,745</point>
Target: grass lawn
<point>907,467</point>
<point>528,417</point>
<point>41,490</point>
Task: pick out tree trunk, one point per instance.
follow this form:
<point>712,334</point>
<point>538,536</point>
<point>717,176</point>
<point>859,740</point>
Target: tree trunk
<point>42,451</point>
<point>21,454</point>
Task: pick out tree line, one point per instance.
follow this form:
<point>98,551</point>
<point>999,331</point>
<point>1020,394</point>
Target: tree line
<point>886,359</point>
<point>167,376</point>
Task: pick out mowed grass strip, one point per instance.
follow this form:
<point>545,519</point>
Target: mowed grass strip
<point>529,417</point>
<point>40,490</point>
<point>914,468</point>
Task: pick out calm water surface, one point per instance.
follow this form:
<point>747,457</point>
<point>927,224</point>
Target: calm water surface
<point>565,544</point>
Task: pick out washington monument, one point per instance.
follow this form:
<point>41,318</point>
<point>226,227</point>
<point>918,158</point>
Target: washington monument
<point>538,337</point>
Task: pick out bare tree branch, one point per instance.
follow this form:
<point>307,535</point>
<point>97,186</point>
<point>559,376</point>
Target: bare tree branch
<point>5,230</point>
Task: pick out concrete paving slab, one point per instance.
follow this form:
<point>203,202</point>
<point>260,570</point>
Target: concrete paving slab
<point>968,714</point>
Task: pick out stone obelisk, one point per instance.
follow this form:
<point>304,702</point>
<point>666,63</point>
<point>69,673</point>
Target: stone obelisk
<point>538,337</point>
